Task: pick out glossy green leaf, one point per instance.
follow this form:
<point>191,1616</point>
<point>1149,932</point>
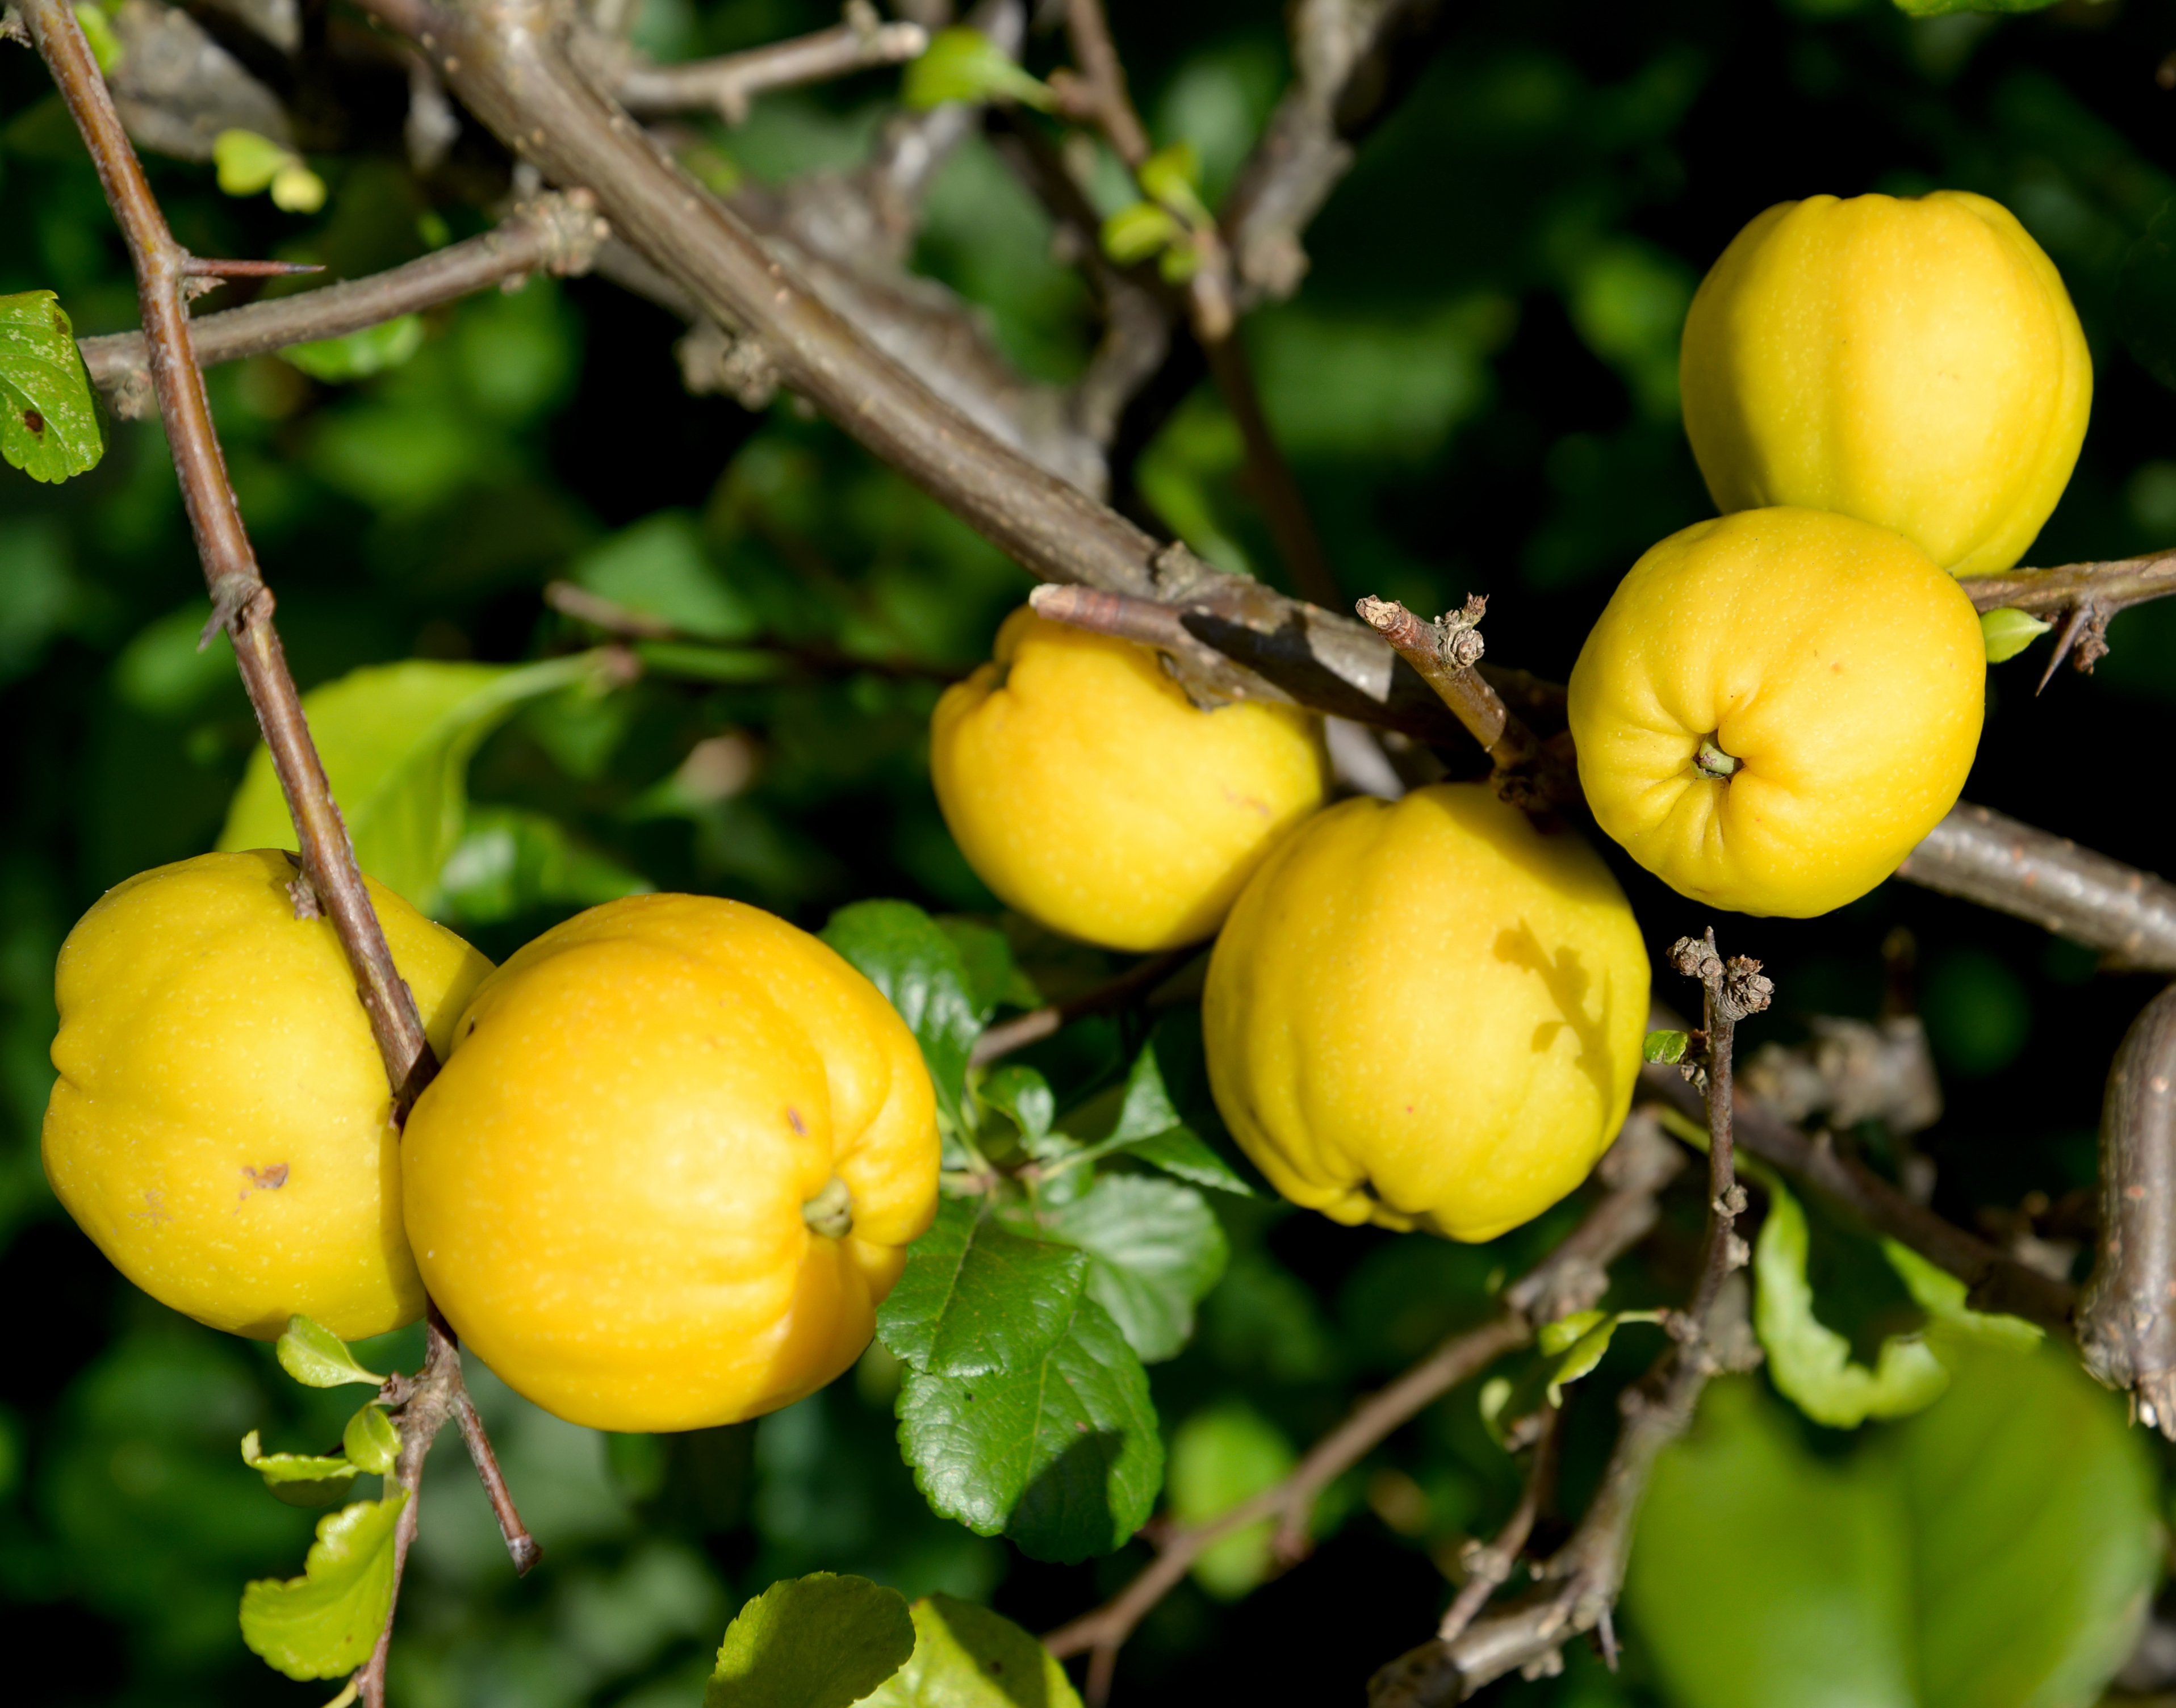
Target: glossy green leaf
<point>1024,1096</point>
<point>326,1622</point>
<point>1219,1457</point>
<point>1665,1047</point>
<point>1149,1127</point>
<point>821,1641</point>
<point>2007,633</point>
<point>966,1657</point>
<point>510,861</point>
<point>358,355</point>
<point>1811,1363</point>
<point>992,977</point>
<point>964,64</point>
<point>49,426</point>
<point>371,1440</point>
<point>1061,1455</point>
<point>1182,1151</point>
<point>900,950</point>
<point>976,1299</point>
<point>317,1358</point>
<point>395,740</point>
<point>1154,1249</point>
<point>1995,1550</point>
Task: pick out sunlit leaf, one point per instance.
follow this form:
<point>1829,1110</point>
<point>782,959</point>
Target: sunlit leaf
<point>371,1440</point>
<point>820,1641</point>
<point>295,1467</point>
<point>49,426</point>
<point>976,1298</point>
<point>900,950</point>
<point>2008,632</point>
<point>395,740</point>
<point>358,355</point>
<point>1149,1127</point>
<point>326,1622</point>
<point>1154,1249</point>
<point>317,1358</point>
<point>1942,1296</point>
<point>966,1657</point>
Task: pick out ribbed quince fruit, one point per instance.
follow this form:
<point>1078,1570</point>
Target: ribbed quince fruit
<point>672,1166</point>
<point>222,1126</point>
<point>1775,706</point>
<point>1089,792</point>
<point>1912,362</point>
<point>1427,1014</point>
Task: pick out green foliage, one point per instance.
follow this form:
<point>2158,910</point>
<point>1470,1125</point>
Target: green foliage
<point>326,1622</point>
<point>1221,1456</point>
<point>2007,633</point>
<point>901,951</point>
<point>396,743</point>
<point>1922,1569</point>
<point>1939,8</point>
<point>317,1358</point>
<point>966,1657</point>
<point>358,355</point>
<point>371,1441</point>
<point>1665,1047</point>
<point>978,1300</point>
<point>1154,1249</point>
<point>820,1641</point>
<point>249,163</point>
<point>49,425</point>
<point>964,64</point>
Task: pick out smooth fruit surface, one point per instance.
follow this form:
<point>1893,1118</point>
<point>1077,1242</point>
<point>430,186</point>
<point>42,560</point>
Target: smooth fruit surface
<point>222,1126</point>
<point>1089,794</point>
<point>1832,660</point>
<point>1913,362</point>
<point>606,1185</point>
<point>1427,1014</point>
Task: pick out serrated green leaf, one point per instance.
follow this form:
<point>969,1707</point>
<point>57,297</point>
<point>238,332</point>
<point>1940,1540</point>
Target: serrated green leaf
<point>1139,230</point>
<point>1154,1249</point>
<point>1809,1362</point>
<point>821,1641</point>
<point>1024,1096</point>
<point>49,426</point>
<point>992,977</point>
<point>372,1441</point>
<point>358,355</point>
<point>900,950</point>
<point>1941,1295</point>
<point>976,1299</point>
<point>1665,1047</point>
<point>964,64</point>
<point>2007,632</point>
<point>326,1622</point>
<point>1997,1550</point>
<point>1061,1455</point>
<point>396,740</point>
<point>1147,1108</point>
<point>317,1358</point>
<point>511,860</point>
<point>966,1657</point>
<point>1151,1127</point>
<point>1182,1151</point>
<point>1219,1457</point>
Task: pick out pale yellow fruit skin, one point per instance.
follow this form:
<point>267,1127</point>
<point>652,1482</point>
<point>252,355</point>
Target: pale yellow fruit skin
<point>1833,659</point>
<point>1913,362</point>
<point>605,1184</point>
<point>1091,795</point>
<point>1427,1014</point>
<point>209,1040</point>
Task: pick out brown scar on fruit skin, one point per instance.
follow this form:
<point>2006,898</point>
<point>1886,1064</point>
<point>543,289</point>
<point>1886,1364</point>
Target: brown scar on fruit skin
<point>793,1120</point>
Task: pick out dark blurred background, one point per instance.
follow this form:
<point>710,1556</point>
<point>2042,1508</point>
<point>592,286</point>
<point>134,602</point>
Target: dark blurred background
<point>1477,386</point>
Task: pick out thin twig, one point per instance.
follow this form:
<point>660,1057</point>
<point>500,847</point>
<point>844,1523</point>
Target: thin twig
<point>727,83</point>
<point>1096,93</point>
<point>1037,1024</point>
<point>1729,992</point>
<point>555,234</point>
<point>1488,1567</point>
<point>1570,1278</point>
<point>2112,586</point>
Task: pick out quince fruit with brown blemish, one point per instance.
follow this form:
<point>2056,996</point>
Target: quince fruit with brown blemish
<point>672,1166</point>
<point>1091,795</point>
<point>222,1125</point>
<point>1427,1014</point>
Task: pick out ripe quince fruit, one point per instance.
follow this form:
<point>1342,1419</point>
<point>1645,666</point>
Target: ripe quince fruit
<point>1775,706</point>
<point>1914,362</point>
<point>672,1166</point>
<point>1427,1014</point>
<point>1089,792</point>
<point>222,1126</point>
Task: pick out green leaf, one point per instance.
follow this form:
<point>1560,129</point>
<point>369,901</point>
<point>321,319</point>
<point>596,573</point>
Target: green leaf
<point>1941,1295</point>
<point>1665,1047</point>
<point>511,860</point>
<point>1149,1127</point>
<point>1182,1151</point>
<point>976,1300</point>
<point>295,1467</point>
<point>1172,176</point>
<point>1023,1096</point>
<point>1219,1457</point>
<point>992,977</point>
<point>966,1657</point>
<point>1154,1249</point>
<point>900,950</point>
<point>1139,230</point>
<point>821,1641</point>
<point>49,426</point>
<point>326,1622</point>
<point>659,568</point>
<point>98,30</point>
<point>247,163</point>
<point>1810,1363</point>
<point>964,64</point>
<point>358,355</point>
<point>1061,1455</point>
<point>317,1358</point>
<point>2007,633</point>
<point>395,740</point>
<point>1995,1550</point>
<point>372,1441</point>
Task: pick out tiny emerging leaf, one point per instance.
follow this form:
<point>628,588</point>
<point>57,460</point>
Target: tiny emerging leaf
<point>326,1622</point>
<point>317,1358</point>
<point>1136,232</point>
<point>1665,1047</point>
<point>1170,175</point>
<point>964,64</point>
<point>372,1441</point>
<point>2008,632</point>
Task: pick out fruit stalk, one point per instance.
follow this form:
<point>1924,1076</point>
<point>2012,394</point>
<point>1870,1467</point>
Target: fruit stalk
<point>240,599</point>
